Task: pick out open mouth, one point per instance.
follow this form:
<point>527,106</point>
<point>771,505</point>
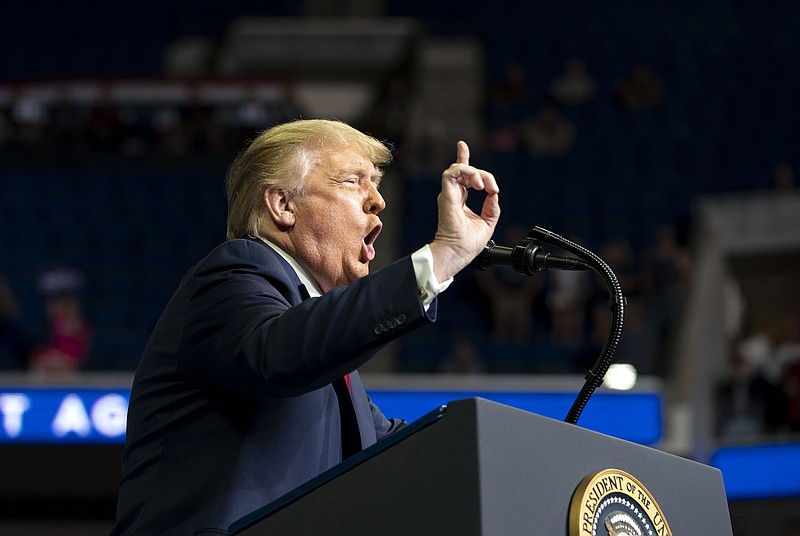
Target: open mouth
<point>368,249</point>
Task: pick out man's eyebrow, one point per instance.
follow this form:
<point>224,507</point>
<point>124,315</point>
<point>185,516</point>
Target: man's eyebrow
<point>375,175</point>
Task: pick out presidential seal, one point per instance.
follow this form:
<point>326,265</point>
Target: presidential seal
<point>613,503</point>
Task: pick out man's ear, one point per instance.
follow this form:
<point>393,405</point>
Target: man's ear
<point>280,207</point>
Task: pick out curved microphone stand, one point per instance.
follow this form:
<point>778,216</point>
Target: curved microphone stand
<point>594,378</point>
<point>528,258</point>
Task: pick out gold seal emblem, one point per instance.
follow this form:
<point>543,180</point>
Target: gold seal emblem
<point>613,503</point>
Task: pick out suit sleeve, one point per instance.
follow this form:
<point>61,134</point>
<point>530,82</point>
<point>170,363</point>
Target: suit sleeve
<point>384,426</point>
<point>242,331</point>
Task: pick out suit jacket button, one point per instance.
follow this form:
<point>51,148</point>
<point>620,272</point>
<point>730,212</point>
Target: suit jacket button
<point>401,319</point>
<point>378,329</point>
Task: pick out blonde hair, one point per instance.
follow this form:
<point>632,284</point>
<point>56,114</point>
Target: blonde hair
<point>283,156</point>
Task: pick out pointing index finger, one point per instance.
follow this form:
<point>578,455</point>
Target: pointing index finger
<point>462,153</point>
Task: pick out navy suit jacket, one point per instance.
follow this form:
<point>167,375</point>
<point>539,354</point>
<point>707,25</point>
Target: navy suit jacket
<point>232,404</point>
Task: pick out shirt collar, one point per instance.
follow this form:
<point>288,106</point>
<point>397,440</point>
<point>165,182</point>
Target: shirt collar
<point>308,281</point>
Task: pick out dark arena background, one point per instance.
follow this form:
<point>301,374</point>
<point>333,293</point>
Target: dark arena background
<point>663,136</point>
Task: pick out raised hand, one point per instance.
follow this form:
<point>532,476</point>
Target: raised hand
<point>461,234</point>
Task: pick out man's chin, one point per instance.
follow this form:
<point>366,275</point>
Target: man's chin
<point>360,271</point>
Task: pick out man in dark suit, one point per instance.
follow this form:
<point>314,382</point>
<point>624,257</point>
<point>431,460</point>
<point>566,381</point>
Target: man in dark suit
<point>248,385</point>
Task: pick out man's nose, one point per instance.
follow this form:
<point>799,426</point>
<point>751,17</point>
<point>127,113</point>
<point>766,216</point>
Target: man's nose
<point>375,202</point>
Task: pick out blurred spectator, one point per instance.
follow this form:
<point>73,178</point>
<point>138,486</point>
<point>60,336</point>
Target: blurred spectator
<point>567,343</point>
<point>548,133</point>
<point>513,88</point>
<point>511,300</point>
<point>104,130</point>
<point>761,394</point>
<point>639,344</point>
<point>251,114</point>
<point>783,177</point>
<point>641,90</point>
<point>6,129</point>
<point>100,124</point>
<point>667,269</point>
<point>70,334</point>
<point>790,384</point>
<point>14,345</point>
<point>787,351</point>
<point>29,115</point>
<point>740,401</point>
<point>511,297</point>
<point>599,323</point>
<point>170,128</point>
<point>787,359</point>
<point>388,119</point>
<point>425,149</point>
<point>564,347</point>
<point>573,86</point>
<point>463,358</point>
<point>507,102</point>
<point>748,404</point>
<point>758,348</point>
<point>569,286</point>
<point>618,254</point>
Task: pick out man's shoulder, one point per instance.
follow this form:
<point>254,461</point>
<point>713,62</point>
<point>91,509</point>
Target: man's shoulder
<point>241,255</point>
<point>239,264</point>
<point>242,249</point>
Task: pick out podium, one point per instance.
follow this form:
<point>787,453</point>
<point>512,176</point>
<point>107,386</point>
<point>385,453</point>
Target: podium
<point>476,467</point>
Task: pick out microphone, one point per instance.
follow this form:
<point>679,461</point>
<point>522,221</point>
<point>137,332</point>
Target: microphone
<point>526,258</point>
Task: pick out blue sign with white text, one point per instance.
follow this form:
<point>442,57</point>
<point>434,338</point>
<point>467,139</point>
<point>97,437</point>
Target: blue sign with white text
<point>98,416</point>
<point>46,415</point>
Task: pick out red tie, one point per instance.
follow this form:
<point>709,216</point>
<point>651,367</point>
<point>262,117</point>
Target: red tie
<point>347,381</point>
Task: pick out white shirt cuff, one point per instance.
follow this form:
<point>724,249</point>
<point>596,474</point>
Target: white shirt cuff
<point>429,286</point>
